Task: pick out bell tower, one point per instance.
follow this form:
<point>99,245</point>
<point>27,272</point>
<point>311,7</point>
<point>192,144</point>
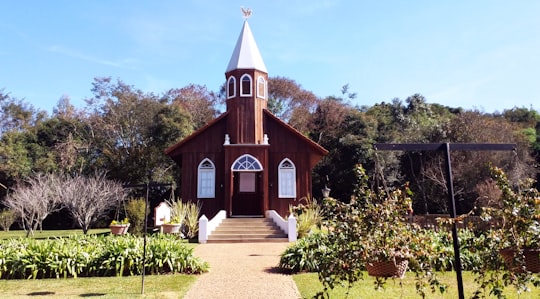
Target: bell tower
<point>246,90</point>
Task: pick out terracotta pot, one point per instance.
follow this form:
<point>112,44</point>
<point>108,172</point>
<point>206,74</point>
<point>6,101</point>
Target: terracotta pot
<point>119,229</point>
<point>395,269</point>
<point>171,228</point>
<point>531,255</point>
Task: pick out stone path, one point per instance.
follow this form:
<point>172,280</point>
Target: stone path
<point>242,270</point>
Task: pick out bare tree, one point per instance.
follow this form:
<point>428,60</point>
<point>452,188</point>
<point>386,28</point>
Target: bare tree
<point>35,200</point>
<point>89,198</point>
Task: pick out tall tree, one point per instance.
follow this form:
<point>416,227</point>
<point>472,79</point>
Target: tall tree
<point>290,102</point>
<point>131,129</point>
<point>197,101</point>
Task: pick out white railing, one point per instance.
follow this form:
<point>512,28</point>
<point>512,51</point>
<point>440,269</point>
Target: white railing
<point>206,227</point>
<point>288,226</point>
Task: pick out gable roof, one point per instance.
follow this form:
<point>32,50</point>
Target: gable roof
<point>246,54</point>
<point>169,151</point>
<point>317,147</point>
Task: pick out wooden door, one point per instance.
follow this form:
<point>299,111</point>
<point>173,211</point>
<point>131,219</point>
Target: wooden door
<point>247,197</point>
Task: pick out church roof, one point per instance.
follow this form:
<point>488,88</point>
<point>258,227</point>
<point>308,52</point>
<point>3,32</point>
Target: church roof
<point>246,54</point>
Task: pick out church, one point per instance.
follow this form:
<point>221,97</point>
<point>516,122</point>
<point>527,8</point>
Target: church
<point>247,161</point>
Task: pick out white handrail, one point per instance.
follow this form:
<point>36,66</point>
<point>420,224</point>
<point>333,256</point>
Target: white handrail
<point>288,226</point>
<point>206,227</point>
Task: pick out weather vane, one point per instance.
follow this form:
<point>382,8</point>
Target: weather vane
<point>246,12</point>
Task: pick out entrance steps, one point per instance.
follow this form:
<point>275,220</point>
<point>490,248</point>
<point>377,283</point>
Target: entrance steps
<point>246,230</point>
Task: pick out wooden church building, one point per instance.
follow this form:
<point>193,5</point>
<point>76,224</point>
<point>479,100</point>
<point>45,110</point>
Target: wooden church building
<point>246,161</point>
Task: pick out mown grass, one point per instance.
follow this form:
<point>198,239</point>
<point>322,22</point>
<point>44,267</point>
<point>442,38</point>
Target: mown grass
<point>155,286</point>
<point>50,233</point>
<point>308,285</point>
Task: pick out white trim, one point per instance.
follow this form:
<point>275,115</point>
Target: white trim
<point>206,227</point>
<point>286,179</point>
<point>263,96</point>
<point>242,93</point>
<point>234,87</point>
<point>206,180</point>
<point>246,162</point>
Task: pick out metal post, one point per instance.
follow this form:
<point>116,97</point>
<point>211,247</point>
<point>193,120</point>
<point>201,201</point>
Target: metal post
<point>144,234</point>
<point>452,205</point>
<point>450,185</point>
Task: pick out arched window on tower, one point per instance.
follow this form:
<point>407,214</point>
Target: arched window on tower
<point>206,179</point>
<point>261,87</point>
<point>286,179</point>
<point>245,85</point>
<point>231,87</point>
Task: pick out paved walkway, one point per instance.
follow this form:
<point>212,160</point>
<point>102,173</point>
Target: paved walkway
<point>242,270</point>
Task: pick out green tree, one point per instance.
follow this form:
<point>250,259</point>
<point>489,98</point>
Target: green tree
<point>131,129</point>
<point>290,102</point>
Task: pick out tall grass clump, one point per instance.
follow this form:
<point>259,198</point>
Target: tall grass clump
<point>307,215</point>
<point>191,226</point>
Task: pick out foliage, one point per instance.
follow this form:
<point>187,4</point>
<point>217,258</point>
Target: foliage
<point>120,222</point>
<point>179,210</point>
<point>518,230</point>
<point>373,227</point>
<point>7,218</point>
<point>290,102</point>
<point>86,256</point>
<point>132,129</point>
<point>307,216</point>
<point>197,101</point>
<point>186,214</point>
<point>305,254</point>
<point>135,209</point>
<point>191,225</point>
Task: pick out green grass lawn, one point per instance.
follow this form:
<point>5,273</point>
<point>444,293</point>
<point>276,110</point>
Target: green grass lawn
<point>309,285</point>
<point>155,286</point>
<point>50,233</point>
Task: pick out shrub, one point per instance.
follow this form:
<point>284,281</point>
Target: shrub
<point>95,256</point>
<point>305,254</point>
<point>7,218</point>
<point>307,216</point>
<point>136,214</point>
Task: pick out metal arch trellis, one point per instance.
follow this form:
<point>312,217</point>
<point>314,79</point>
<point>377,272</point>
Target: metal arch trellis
<point>446,148</point>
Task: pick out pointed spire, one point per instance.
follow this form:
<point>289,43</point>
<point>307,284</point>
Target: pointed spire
<point>246,54</point>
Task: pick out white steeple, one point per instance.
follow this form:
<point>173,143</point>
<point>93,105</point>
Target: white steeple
<point>246,54</point>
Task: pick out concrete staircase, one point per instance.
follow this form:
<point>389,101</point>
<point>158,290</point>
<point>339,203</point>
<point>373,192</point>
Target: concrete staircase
<point>244,230</point>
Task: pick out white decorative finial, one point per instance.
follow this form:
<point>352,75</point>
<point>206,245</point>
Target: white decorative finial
<point>246,12</point>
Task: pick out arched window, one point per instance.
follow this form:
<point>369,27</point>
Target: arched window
<point>245,85</point>
<point>261,87</point>
<point>246,163</point>
<point>206,180</point>
<point>231,87</point>
<point>286,179</point>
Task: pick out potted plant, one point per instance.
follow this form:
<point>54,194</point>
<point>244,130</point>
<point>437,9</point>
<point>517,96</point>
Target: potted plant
<point>119,227</point>
<point>388,235</point>
<point>518,218</point>
<point>173,226</point>
<point>372,233</point>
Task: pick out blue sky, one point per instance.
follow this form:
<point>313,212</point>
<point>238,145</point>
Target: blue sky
<point>482,54</point>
